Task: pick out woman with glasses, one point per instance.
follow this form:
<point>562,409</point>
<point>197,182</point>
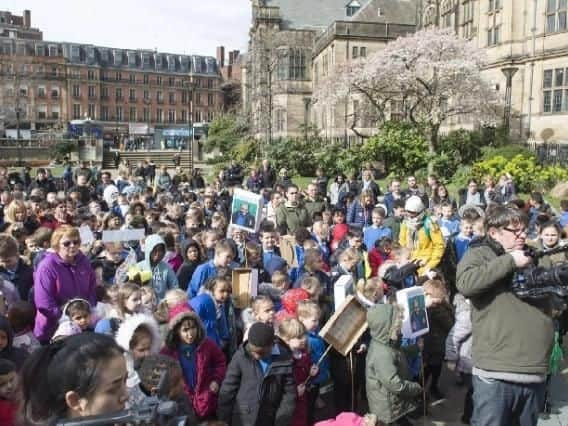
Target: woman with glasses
<point>63,274</point>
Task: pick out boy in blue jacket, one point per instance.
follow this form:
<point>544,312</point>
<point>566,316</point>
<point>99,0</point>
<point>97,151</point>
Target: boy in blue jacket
<point>163,276</point>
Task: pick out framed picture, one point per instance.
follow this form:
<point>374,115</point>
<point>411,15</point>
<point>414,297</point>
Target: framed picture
<point>415,318</point>
<point>246,210</point>
<point>245,286</point>
<point>345,326</point>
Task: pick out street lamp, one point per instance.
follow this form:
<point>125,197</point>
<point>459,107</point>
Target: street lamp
<point>18,112</point>
<point>509,72</point>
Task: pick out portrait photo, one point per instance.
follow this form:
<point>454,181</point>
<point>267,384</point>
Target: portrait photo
<point>415,317</point>
<point>246,210</point>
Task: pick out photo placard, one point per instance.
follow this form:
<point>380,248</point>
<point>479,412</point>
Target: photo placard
<point>415,317</point>
<point>246,210</point>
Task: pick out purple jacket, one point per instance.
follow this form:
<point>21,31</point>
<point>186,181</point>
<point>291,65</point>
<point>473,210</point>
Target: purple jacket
<point>56,282</point>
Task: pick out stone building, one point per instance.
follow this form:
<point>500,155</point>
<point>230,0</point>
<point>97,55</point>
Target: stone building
<point>294,44</point>
<point>527,40</point>
<point>131,92</point>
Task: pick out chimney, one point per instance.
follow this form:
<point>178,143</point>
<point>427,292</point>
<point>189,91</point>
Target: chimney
<point>27,19</point>
<point>221,56</point>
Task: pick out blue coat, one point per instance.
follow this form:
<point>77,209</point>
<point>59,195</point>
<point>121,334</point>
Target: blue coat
<point>359,216</point>
<point>202,273</point>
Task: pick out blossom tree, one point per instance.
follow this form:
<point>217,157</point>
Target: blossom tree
<point>428,77</point>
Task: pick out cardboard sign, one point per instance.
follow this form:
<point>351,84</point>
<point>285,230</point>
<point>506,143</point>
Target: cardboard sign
<point>345,326</point>
<point>245,286</point>
<point>86,235</point>
<point>246,210</point>
<point>341,289</point>
<point>415,319</point>
<point>288,250</point>
<point>121,235</point>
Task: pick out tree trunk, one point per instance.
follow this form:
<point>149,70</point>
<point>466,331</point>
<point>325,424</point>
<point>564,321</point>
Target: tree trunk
<point>433,146</point>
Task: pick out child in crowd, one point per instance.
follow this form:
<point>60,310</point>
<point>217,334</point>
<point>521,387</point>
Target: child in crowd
<point>128,302</point>
<point>78,311</point>
<point>380,253</point>
<point>391,393</point>
<point>215,309</point>
<point>276,289</point>
<point>223,257</point>
<point>370,292</point>
<point>320,231</point>
<point>395,220</point>
<point>148,298</point>
<point>314,267</point>
<point>261,310</point>
<point>309,314</point>
<point>138,336</point>
<point>7,349</point>
<point>113,256</point>
<point>202,362</point>
<point>449,224</point>
<point>21,316</point>
<point>13,268</point>
<point>339,229</point>
<point>163,276</point>
<point>259,386</point>
<point>192,258</point>
<point>293,334</point>
<point>8,392</point>
<point>376,230</point>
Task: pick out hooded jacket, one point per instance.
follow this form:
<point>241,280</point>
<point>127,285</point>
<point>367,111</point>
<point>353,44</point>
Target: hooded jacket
<point>250,398</point>
<point>426,243</point>
<point>16,355</point>
<point>390,391</point>
<point>185,272</point>
<point>458,342</point>
<point>210,366</point>
<point>509,335</point>
<point>163,276</point>
<point>56,282</point>
<point>123,338</point>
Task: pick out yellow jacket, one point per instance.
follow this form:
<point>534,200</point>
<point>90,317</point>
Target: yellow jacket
<point>427,244</point>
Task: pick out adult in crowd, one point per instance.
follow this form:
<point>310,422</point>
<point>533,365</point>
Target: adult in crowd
<point>395,193</point>
<point>472,195</point>
<point>63,274</point>
<point>267,174</point>
<point>360,212</point>
<point>313,202</point>
<point>512,340</point>
<point>292,215</point>
<point>42,182</point>
<point>368,184</point>
<point>337,190</point>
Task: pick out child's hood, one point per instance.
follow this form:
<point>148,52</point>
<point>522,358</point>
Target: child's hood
<point>151,242</point>
<point>129,326</point>
<point>385,322</point>
<point>7,328</point>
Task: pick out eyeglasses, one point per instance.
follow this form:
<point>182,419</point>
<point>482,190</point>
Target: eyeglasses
<point>516,232</point>
<point>69,243</point>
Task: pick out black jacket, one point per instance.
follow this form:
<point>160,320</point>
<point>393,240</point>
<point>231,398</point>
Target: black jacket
<point>250,398</point>
<point>46,185</point>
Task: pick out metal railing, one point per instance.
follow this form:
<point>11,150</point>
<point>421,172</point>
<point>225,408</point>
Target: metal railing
<point>550,152</point>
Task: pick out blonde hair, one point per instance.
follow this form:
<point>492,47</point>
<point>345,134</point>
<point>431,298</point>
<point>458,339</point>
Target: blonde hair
<point>172,298</point>
<point>311,284</point>
<point>372,288</point>
<point>435,289</point>
<point>258,301</point>
<point>124,292</point>
<point>149,291</point>
<point>14,207</point>
<point>308,309</point>
<point>290,328</point>
<point>350,255</point>
<point>63,231</point>
<point>280,280</point>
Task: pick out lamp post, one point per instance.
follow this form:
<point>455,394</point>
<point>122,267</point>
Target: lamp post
<point>18,112</point>
<point>509,72</point>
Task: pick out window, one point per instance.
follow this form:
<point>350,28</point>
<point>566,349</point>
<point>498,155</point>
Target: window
<point>76,111</point>
<point>55,92</point>
<point>172,96</point>
<point>184,115</point>
<point>146,114</point>
<point>159,97</point>
<point>159,80</point>
<point>92,92</point>
<point>171,81</point>
<point>118,93</point>
<point>76,91</point>
<point>494,35</point>
<point>119,116</point>
<point>430,16</point>
<point>468,30</point>
<point>355,52</point>
<point>446,9</point>
<point>132,114</point>
<point>132,95</point>
<point>118,76</point>
<point>210,83</point>
<point>280,120</point>
<point>494,5</point>
<point>184,97</point>
<point>132,78</point>
<point>297,64</point>
<point>555,93</point>
<point>556,15</point>
<point>159,115</point>
<point>210,99</point>
<point>92,111</point>
<point>198,116</point>
<point>352,8</point>
<point>146,79</point>
<point>104,113</point>
<point>90,75</point>
<point>171,116</point>
<point>41,92</point>
<point>146,95</point>
<point>104,92</point>
<point>363,52</point>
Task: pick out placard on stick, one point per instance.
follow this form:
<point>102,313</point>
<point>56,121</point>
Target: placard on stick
<point>415,319</point>
<point>245,286</point>
<point>345,326</point>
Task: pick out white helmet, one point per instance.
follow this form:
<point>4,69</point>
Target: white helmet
<point>414,204</point>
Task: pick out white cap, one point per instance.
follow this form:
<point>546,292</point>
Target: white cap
<point>414,204</point>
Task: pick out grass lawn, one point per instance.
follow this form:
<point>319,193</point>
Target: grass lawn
<point>56,171</point>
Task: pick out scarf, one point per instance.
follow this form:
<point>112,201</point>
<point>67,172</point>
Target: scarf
<point>186,356</point>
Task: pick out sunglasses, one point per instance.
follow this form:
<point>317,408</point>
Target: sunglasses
<point>69,243</point>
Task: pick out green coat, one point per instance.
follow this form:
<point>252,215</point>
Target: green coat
<point>509,335</point>
<point>289,219</point>
<point>390,392</point>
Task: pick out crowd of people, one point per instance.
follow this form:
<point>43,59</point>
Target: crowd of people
<point>91,322</point>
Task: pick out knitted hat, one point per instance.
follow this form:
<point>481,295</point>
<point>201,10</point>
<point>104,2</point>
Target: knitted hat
<point>178,309</point>
<point>291,298</point>
<point>261,335</point>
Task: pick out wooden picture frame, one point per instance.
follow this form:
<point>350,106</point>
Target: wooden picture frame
<point>245,286</point>
<point>345,326</point>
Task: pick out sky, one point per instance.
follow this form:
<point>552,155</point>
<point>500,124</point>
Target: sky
<point>172,26</point>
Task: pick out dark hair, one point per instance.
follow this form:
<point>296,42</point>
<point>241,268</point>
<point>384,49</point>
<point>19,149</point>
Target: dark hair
<point>302,234</point>
<point>77,305</point>
<point>502,216</point>
<point>72,364</point>
<point>151,367</point>
<point>398,204</point>
<point>8,246</point>
<point>212,282</point>
<point>552,224</point>
<point>21,314</point>
<point>172,339</point>
<point>354,233</point>
<point>141,331</point>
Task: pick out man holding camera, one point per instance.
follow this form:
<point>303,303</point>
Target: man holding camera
<point>512,339</point>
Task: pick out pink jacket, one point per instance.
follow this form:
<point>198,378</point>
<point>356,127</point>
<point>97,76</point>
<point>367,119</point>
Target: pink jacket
<point>211,367</point>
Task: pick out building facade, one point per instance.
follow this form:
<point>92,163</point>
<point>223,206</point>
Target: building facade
<point>294,46</point>
<point>526,39</point>
<point>133,92</point>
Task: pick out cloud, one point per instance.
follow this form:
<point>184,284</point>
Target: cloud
<point>176,26</point>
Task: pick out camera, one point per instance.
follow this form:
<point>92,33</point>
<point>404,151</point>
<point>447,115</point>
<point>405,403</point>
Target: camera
<point>536,283</point>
